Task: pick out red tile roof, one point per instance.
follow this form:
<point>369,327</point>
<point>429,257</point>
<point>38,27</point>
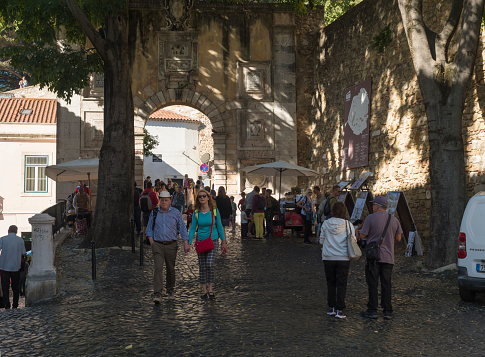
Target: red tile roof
<point>43,110</point>
<point>164,115</point>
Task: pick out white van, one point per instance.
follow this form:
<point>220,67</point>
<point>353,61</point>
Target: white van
<point>471,249</point>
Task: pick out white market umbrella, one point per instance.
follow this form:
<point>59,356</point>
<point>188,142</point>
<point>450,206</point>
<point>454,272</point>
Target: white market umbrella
<point>76,170</point>
<point>82,169</point>
<point>281,168</point>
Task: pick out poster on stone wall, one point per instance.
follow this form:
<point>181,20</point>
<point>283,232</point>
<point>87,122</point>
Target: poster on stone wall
<point>396,202</point>
<point>359,205</point>
<point>355,148</point>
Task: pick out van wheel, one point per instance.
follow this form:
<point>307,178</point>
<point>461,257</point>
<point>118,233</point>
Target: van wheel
<point>466,294</point>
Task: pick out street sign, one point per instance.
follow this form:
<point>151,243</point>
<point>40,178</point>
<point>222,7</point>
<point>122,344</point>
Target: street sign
<point>205,158</point>
<point>204,168</point>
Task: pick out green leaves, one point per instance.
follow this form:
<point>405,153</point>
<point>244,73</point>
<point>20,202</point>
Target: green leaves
<point>149,143</point>
<point>382,39</point>
<point>336,8</point>
<point>42,28</point>
<point>61,69</point>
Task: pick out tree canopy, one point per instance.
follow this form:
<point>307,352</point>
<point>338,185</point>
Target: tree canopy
<point>49,44</point>
<point>336,8</point>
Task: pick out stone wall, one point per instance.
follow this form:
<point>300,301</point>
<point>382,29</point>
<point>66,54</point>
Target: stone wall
<point>308,30</point>
<point>398,148</point>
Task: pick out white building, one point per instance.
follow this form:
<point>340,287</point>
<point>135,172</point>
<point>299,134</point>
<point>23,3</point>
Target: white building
<point>177,153</point>
<point>27,146</point>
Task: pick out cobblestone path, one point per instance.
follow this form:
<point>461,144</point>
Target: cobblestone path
<point>271,301</point>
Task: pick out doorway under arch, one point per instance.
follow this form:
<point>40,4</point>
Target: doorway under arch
<point>212,106</point>
<point>185,143</point>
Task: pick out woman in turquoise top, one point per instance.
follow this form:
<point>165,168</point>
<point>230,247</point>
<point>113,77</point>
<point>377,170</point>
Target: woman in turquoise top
<point>205,219</point>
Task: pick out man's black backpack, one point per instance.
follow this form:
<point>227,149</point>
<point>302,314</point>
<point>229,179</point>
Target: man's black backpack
<point>146,202</point>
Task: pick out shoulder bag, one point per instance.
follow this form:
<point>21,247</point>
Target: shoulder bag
<point>207,244</point>
<point>352,246</point>
<point>373,249</point>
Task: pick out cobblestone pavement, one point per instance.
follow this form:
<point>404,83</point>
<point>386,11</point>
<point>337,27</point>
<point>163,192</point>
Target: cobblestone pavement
<point>271,301</point>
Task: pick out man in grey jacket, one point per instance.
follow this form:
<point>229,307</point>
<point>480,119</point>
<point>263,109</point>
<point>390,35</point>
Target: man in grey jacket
<point>12,249</point>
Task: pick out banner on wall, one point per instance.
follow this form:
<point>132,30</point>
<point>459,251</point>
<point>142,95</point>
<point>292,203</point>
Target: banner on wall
<point>355,147</point>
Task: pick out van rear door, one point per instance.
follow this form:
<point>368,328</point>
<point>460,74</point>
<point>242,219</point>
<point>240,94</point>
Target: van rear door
<point>473,225</point>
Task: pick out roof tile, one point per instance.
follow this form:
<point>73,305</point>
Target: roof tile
<point>164,115</point>
<point>44,111</point>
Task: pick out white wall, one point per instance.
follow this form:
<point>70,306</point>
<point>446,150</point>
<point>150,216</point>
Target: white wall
<point>174,139</point>
<point>19,206</point>
<point>69,131</point>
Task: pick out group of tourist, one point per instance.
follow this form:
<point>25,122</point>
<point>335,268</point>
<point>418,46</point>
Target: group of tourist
<point>182,198</point>
<point>78,209</point>
<point>380,230</point>
<point>258,208</point>
<point>160,207</point>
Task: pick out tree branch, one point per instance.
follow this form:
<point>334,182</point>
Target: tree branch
<point>465,57</point>
<point>87,28</point>
<point>417,35</point>
<point>444,37</point>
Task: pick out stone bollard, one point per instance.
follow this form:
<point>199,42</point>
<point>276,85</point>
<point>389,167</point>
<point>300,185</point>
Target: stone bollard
<point>41,278</point>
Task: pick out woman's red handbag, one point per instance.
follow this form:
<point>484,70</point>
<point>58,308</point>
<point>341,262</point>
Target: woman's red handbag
<point>207,244</point>
<point>204,246</point>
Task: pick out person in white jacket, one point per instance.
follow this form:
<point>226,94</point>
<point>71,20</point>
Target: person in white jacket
<point>333,237</point>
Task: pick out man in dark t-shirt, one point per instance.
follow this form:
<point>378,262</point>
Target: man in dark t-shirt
<point>372,229</point>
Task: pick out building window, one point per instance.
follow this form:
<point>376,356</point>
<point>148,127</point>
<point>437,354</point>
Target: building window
<point>35,178</point>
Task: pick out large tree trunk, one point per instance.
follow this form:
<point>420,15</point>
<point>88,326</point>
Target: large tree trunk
<point>116,161</point>
<point>443,85</point>
<point>448,184</point>
<point>114,205</point>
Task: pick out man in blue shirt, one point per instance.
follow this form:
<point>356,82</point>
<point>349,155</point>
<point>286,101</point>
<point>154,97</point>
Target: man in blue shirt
<point>12,249</point>
<point>163,226</point>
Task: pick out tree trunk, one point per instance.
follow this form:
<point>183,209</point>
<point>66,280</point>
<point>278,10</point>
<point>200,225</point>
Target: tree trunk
<point>443,85</point>
<point>114,205</point>
<point>447,178</point>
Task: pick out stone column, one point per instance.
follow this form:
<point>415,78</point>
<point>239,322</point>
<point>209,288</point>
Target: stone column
<point>220,175</point>
<point>139,157</point>
<point>285,94</point>
<point>41,279</point>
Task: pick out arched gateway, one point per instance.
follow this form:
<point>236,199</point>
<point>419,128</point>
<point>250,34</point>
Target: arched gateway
<point>236,63</point>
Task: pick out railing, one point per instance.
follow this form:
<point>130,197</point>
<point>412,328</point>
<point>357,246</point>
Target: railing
<point>58,211</point>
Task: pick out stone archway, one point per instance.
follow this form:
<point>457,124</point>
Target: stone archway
<point>225,167</point>
<point>247,67</point>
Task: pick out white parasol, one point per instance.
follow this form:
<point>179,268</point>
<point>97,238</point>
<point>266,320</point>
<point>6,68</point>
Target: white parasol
<point>281,168</point>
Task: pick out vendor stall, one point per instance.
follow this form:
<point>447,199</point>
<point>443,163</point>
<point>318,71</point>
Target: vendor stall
<point>290,215</point>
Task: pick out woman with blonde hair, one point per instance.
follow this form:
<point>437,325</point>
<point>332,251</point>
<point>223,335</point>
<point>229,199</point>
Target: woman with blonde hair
<point>207,221</point>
